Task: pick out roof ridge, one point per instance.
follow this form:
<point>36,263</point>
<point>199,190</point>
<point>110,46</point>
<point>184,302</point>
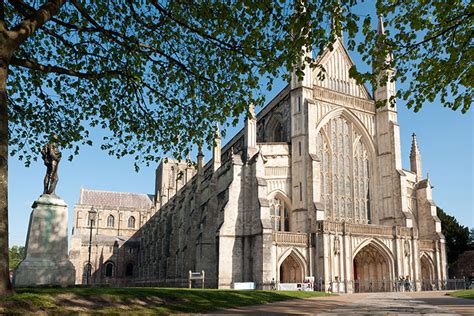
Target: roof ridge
<point>115,192</point>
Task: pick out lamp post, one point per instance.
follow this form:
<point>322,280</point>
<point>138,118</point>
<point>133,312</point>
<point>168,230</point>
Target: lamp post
<point>92,214</point>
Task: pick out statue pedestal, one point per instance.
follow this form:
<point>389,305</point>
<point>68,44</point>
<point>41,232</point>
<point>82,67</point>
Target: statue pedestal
<point>46,261</point>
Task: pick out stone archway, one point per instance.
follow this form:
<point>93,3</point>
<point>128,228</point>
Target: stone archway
<point>427,273</point>
<point>371,270</point>
<point>291,270</point>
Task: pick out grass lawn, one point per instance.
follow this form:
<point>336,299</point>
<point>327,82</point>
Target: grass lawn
<point>138,300</point>
<point>464,294</point>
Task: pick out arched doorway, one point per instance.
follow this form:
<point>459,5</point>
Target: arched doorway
<point>291,270</point>
<point>427,274</point>
<point>371,270</point>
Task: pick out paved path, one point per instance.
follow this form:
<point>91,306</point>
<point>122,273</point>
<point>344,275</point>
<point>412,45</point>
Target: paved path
<point>422,303</point>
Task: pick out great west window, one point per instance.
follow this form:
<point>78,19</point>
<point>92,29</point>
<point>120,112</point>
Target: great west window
<point>344,171</point>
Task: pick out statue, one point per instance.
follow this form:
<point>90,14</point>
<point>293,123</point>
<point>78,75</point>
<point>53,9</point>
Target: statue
<point>51,157</point>
<point>337,245</point>
<point>407,248</point>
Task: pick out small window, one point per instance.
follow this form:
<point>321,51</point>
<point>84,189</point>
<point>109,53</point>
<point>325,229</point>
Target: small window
<point>299,104</point>
<point>301,192</point>
<point>299,147</point>
<point>110,221</point>
<point>109,269</point>
<point>129,270</point>
<point>131,222</point>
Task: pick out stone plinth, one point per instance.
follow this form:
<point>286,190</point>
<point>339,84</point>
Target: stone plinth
<point>46,261</point>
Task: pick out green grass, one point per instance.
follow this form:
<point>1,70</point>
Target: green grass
<point>138,300</point>
<point>463,294</point>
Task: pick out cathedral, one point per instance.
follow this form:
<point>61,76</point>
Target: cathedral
<point>312,188</point>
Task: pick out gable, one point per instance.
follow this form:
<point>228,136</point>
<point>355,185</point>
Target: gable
<point>337,64</point>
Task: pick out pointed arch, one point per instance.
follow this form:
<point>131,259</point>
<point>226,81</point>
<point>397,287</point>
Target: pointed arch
<point>351,117</point>
<point>295,255</point>
<point>347,154</point>
<point>378,244</point>
<point>277,193</point>
<point>427,272</point>
<point>373,267</point>
<point>275,129</point>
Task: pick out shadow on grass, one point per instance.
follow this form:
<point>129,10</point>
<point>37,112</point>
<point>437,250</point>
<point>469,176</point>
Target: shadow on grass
<point>156,300</point>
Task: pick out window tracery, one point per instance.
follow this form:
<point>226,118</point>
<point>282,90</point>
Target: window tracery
<point>344,171</point>
<point>279,215</point>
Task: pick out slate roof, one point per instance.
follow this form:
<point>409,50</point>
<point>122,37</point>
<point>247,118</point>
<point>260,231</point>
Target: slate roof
<point>116,199</point>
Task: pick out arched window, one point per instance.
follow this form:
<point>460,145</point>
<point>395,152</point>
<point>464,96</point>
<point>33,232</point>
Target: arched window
<point>110,221</point>
<point>129,269</point>
<point>344,171</point>
<point>131,222</point>
<point>109,269</point>
<point>279,215</point>
<point>278,133</point>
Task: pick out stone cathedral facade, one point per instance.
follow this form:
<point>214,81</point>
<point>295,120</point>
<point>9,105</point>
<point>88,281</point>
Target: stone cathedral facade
<point>313,185</point>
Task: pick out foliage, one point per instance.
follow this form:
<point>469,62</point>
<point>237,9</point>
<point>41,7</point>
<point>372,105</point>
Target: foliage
<point>469,294</point>
<point>16,254</point>
<point>457,236</point>
<point>471,237</point>
<point>148,70</point>
<point>141,300</point>
<point>431,47</point>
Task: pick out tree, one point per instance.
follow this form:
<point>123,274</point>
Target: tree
<point>16,254</point>
<point>148,70</point>
<point>457,236</point>
<point>144,70</point>
<point>471,237</point>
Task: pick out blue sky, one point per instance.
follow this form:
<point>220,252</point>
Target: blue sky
<point>445,139</point>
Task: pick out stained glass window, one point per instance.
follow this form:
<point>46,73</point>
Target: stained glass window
<point>344,171</point>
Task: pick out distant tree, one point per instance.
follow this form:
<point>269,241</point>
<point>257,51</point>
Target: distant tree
<point>471,237</point>
<point>158,75</point>
<point>15,255</point>
<point>457,236</point>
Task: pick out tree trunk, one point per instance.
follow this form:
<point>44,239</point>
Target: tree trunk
<point>5,284</point>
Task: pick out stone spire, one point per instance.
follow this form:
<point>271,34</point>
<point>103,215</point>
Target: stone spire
<point>251,132</point>
<point>415,159</point>
<point>380,27</point>
<point>200,160</point>
<point>303,65</point>
<point>385,89</point>
<point>216,153</point>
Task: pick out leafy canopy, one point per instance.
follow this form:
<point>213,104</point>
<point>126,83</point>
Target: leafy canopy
<point>16,254</point>
<point>158,75</point>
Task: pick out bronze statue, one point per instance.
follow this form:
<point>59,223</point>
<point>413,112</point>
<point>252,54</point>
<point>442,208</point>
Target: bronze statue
<point>51,157</point>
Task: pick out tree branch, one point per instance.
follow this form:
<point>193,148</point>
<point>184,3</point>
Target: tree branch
<point>124,40</point>
<point>25,28</point>
<point>64,71</point>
